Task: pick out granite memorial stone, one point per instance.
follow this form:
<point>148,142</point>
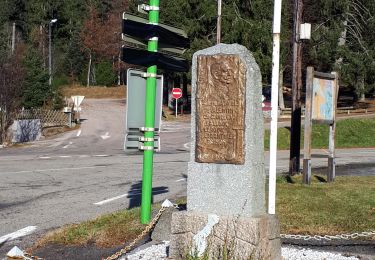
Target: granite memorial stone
<point>226,176</point>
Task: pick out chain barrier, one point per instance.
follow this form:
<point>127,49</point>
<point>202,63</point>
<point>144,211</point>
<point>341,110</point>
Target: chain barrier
<point>28,256</point>
<point>329,237</point>
<point>138,238</point>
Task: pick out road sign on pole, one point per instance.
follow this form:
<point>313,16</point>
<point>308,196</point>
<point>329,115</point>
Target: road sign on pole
<point>172,42</point>
<point>145,58</point>
<point>135,109</point>
<point>153,32</point>
<point>77,100</point>
<point>177,94</point>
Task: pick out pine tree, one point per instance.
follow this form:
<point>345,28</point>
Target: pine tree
<point>36,91</point>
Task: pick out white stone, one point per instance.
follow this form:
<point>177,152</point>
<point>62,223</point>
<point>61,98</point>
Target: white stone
<point>15,252</point>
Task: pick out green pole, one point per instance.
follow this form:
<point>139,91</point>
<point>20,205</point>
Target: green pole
<point>148,156</point>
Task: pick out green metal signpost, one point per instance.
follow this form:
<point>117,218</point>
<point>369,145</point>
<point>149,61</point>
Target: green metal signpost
<point>137,31</point>
<point>148,156</point>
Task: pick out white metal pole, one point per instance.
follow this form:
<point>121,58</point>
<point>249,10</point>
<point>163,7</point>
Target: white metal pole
<point>274,104</point>
<point>176,107</point>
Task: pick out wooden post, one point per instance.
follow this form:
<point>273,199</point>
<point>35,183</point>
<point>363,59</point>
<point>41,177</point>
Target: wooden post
<point>331,174</point>
<point>295,129</point>
<point>331,156</point>
<point>308,127</point>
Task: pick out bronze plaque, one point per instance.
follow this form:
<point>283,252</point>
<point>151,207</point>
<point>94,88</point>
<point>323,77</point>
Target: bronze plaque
<point>220,102</point>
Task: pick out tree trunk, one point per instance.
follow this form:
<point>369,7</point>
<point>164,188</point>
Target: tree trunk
<point>119,69</point>
<point>41,31</point>
<point>89,71</point>
<point>362,88</point>
<point>13,37</point>
<point>342,42</point>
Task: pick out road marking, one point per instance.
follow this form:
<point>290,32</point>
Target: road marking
<point>106,136</point>
<point>84,156</point>
<point>66,146</point>
<point>187,145</point>
<point>19,233</point>
<point>132,193</point>
<point>79,132</point>
<point>59,169</point>
<point>111,199</point>
<point>101,155</point>
<point>355,152</point>
<point>181,180</point>
<point>44,157</point>
<point>65,156</point>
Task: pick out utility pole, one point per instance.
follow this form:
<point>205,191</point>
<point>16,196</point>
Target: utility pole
<point>218,33</point>
<point>295,131</point>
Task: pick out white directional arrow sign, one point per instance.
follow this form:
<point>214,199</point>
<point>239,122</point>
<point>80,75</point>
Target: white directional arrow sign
<point>77,100</point>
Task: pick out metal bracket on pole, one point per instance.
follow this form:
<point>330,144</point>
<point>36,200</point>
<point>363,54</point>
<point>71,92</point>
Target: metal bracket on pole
<point>146,129</point>
<point>144,9</point>
<point>145,148</point>
<point>146,139</point>
<point>149,75</point>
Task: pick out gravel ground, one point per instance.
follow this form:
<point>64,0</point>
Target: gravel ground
<point>159,252</point>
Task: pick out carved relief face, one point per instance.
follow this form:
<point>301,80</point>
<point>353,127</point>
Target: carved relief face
<point>220,109</point>
<point>222,73</point>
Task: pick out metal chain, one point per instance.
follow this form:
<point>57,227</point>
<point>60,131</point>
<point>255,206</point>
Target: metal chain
<point>138,238</point>
<point>32,257</point>
<point>329,237</point>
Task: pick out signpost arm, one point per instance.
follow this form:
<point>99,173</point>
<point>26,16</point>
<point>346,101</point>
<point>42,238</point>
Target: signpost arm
<point>149,122</point>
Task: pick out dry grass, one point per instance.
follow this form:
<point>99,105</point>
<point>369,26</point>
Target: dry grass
<point>94,92</point>
<point>105,231</point>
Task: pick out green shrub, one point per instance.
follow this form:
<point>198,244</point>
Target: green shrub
<point>59,81</point>
<point>105,76</point>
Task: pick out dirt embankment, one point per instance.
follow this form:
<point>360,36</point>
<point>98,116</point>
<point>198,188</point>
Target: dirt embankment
<point>95,92</point>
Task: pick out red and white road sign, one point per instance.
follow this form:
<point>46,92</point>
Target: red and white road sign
<point>176,93</point>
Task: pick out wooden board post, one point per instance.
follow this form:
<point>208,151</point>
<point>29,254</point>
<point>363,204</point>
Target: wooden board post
<point>320,107</point>
<point>331,174</point>
<point>308,127</point>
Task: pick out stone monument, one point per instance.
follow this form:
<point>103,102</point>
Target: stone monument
<point>226,211</point>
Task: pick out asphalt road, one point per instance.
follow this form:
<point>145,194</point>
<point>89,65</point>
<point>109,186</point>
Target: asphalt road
<point>85,173</point>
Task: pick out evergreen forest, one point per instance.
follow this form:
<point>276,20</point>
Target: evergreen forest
<point>85,38</point>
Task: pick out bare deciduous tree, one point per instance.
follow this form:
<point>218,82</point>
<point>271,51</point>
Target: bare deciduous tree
<point>11,75</point>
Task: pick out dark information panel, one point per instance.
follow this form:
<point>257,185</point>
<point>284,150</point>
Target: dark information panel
<point>220,102</point>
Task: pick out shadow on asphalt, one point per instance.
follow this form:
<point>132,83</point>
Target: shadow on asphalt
<point>135,194</point>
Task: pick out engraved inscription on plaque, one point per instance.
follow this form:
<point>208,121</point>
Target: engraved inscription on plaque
<point>220,102</point>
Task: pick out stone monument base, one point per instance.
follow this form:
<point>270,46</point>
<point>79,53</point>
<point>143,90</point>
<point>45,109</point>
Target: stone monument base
<point>233,237</point>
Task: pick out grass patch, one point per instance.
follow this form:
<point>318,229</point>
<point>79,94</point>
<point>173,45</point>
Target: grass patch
<point>94,92</point>
<point>350,133</point>
<point>105,231</point>
<point>345,206</point>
